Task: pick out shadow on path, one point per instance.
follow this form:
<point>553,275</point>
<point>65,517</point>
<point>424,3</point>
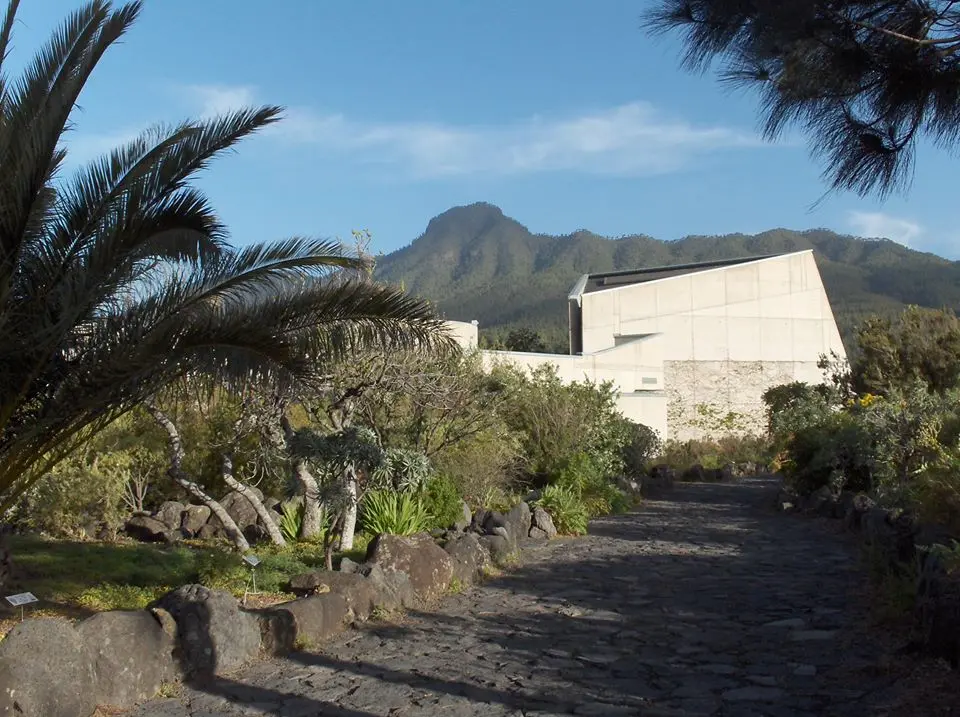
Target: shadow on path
<point>704,603</point>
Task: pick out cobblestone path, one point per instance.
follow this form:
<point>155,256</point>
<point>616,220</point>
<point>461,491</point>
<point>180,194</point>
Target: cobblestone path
<point>707,603</point>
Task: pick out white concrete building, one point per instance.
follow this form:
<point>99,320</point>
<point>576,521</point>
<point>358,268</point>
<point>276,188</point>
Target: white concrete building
<point>692,348</point>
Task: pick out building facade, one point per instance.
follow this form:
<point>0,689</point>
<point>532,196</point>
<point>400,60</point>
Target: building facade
<point>692,348</point>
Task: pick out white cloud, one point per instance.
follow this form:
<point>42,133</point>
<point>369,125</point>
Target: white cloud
<point>632,139</point>
<point>877,224</point>
<point>214,100</point>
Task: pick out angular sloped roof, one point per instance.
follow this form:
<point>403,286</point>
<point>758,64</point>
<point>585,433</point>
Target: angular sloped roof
<point>589,283</point>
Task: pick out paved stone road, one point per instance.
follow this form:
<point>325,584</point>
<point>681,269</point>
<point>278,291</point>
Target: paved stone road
<point>704,604</point>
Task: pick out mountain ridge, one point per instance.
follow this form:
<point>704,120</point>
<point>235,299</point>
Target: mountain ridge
<point>475,262</point>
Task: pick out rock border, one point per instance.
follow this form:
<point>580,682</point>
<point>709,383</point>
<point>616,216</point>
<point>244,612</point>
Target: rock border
<point>116,659</point>
<point>896,539</point>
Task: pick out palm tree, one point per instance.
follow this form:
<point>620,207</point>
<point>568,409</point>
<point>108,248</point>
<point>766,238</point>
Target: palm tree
<point>119,281</point>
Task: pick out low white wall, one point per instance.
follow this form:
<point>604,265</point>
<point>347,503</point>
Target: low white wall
<point>465,334</point>
<point>640,401</point>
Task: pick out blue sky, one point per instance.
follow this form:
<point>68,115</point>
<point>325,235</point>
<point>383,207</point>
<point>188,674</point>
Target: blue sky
<point>563,113</point>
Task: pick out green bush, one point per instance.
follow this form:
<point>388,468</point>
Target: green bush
<point>442,501</point>
<point>597,494</point>
<point>643,444</point>
<point>716,453</point>
<point>483,464</point>
<point>393,512</point>
<point>291,519</point>
<point>566,508</point>
<point>557,420</point>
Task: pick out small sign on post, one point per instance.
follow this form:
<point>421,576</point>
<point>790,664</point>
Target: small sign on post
<point>253,561</point>
<point>21,599</point>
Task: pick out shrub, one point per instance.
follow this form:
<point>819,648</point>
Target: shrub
<point>835,452</point>
<point>793,406</point>
<point>394,512</point>
<point>583,478</point>
<point>291,519</point>
<point>936,493</point>
<point>442,501</point>
<point>643,444</point>
<point>716,453</point>
<point>557,420</point>
<point>481,465</point>
<point>565,507</point>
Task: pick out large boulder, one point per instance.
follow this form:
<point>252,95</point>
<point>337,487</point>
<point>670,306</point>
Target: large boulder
<point>356,590</point>
<point>392,590</point>
<point>240,509</point>
<point>211,531</point>
<point>428,565</point>
<point>463,522</point>
<point>500,549</point>
<point>858,506</point>
<point>131,656</point>
<point>820,501</point>
<point>695,473</point>
<point>149,530</point>
<point>518,522</point>
<point>194,518</point>
<point>46,670</point>
<point>515,524</point>
<point>469,557</point>
<point>170,514</point>
<point>658,482</point>
<point>302,624</point>
<point>214,635</point>
<point>541,525</point>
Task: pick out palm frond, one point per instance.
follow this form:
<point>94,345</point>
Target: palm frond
<point>120,282</point>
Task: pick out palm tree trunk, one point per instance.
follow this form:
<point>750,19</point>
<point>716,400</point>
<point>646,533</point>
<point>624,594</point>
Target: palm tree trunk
<point>269,523</point>
<point>192,487</point>
<point>350,510</point>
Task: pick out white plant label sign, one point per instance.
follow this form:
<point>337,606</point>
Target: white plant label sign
<point>21,599</point>
<point>251,560</point>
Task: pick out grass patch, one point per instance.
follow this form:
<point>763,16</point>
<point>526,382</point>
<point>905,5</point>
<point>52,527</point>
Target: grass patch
<point>82,577</point>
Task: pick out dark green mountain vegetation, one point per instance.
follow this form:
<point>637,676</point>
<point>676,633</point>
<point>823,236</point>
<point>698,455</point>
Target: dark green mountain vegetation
<point>476,263</point>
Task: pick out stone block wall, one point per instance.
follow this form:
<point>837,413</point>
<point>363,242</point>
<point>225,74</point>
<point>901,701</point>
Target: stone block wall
<point>714,398</point>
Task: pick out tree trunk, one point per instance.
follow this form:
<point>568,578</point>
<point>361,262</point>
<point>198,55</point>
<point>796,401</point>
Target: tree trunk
<point>350,510</point>
<point>176,472</point>
<point>328,542</point>
<point>6,562</point>
<point>312,523</point>
<point>268,522</point>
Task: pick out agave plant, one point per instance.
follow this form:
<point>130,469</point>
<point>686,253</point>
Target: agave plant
<point>119,281</point>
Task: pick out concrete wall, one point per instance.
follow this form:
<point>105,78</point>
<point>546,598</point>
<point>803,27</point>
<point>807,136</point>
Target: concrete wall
<point>636,368</point>
<point>693,354</point>
<point>728,334</point>
<point>465,334</point>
